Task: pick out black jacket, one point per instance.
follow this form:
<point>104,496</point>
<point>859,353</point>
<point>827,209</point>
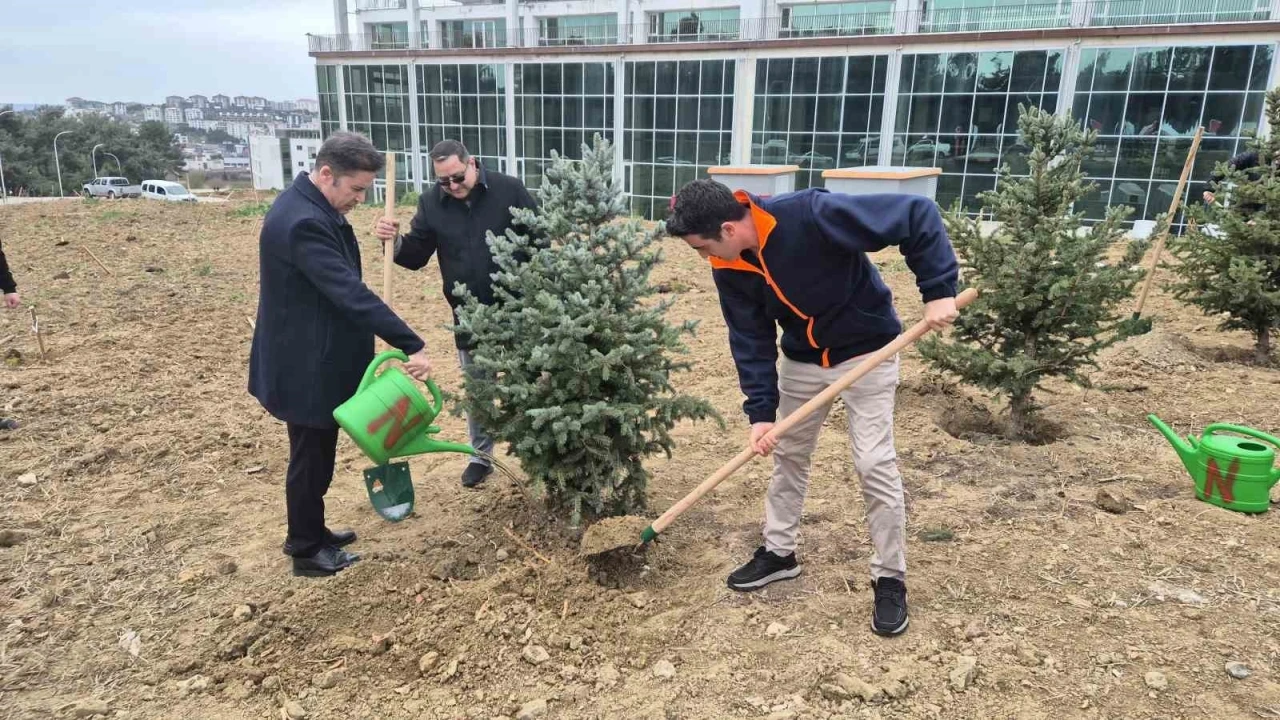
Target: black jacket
<point>316,318</point>
<point>1247,161</point>
<point>456,230</point>
<point>7,284</point>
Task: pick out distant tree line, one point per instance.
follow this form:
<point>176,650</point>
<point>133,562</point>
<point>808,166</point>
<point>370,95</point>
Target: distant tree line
<point>26,150</point>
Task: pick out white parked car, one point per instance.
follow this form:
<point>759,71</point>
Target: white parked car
<point>111,187</point>
<point>166,190</point>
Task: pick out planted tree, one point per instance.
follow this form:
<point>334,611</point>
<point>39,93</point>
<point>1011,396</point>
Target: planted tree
<point>1050,299</point>
<point>1229,259</point>
<point>574,357</point>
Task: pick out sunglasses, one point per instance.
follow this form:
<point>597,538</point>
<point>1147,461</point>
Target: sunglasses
<point>448,180</point>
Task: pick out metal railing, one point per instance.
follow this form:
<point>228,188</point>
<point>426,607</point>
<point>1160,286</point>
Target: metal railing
<point>363,5</point>
<point>1102,13</point>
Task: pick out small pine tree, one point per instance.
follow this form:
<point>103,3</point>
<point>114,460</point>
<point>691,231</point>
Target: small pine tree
<point>577,360</point>
<point>1049,300</point>
<point>1229,260</point>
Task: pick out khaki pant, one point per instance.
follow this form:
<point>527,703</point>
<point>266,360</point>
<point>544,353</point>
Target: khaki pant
<point>870,409</point>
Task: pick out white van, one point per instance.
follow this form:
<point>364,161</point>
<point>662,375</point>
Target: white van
<point>166,190</point>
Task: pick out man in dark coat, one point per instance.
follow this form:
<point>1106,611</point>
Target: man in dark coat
<point>11,300</point>
<point>452,220</point>
<point>314,334</point>
<point>1246,161</point>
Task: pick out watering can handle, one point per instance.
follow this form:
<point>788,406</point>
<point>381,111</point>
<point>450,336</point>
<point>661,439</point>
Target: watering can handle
<point>1257,434</point>
<point>384,356</point>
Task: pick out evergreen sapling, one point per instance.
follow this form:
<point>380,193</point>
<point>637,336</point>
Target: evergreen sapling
<point>1049,299</point>
<point>574,359</point>
<point>1229,260</point>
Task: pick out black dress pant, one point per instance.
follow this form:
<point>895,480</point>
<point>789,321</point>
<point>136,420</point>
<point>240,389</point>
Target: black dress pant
<point>311,457</point>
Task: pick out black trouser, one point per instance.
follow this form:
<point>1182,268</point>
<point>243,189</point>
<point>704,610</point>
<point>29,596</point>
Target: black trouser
<point>311,456</point>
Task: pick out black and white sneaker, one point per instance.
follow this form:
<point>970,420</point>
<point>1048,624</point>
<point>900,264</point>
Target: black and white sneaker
<point>889,616</point>
<point>765,567</point>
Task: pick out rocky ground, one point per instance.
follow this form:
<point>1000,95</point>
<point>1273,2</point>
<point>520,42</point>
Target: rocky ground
<point>141,516</point>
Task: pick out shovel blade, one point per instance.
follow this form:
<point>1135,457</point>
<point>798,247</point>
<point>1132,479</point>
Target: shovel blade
<point>390,490</point>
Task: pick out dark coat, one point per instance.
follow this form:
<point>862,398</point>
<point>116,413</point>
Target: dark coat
<point>7,284</point>
<point>455,231</point>
<point>316,318</point>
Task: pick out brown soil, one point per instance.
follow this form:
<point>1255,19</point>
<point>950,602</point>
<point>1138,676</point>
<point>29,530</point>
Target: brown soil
<point>141,505</point>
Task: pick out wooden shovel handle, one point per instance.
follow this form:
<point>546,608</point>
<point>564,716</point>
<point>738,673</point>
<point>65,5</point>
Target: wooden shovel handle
<point>388,253</point>
<point>821,399</point>
<point>1173,214</point>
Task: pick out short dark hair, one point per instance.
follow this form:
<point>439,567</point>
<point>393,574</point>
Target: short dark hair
<point>347,153</point>
<point>701,207</point>
<point>446,149</point>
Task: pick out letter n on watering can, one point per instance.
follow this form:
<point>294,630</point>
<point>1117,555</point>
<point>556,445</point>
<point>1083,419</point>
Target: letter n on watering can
<point>1225,484</point>
<point>396,416</point>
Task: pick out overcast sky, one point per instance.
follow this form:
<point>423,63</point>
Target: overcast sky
<point>127,50</point>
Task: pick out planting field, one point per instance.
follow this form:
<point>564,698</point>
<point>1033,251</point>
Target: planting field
<point>142,513</point>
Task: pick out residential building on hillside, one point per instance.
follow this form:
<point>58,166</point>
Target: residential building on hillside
<point>240,101</point>
<point>276,160</point>
<point>173,116</point>
<point>221,101</point>
<point>821,85</point>
<point>153,113</point>
<point>198,101</point>
<point>175,101</point>
<point>192,114</point>
<point>307,105</point>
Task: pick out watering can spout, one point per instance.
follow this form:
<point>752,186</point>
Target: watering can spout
<point>427,444</point>
<point>1185,448</point>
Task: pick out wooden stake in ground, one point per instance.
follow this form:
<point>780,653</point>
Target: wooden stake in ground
<point>1173,216</point>
<point>95,259</point>
<point>35,328</point>
<point>389,212</point>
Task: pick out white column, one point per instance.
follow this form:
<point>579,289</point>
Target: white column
<point>623,9</point>
<point>509,127</point>
<point>1275,14</point>
<point>889,115</point>
<point>416,39</point>
<point>415,142</point>
<point>342,97</point>
<point>1067,88</point>
<point>906,17</point>
<point>513,24</point>
<point>744,109</point>
<point>619,119</point>
<point>340,17</point>
<point>1081,11</point>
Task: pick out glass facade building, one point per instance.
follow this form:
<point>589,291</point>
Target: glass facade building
<point>819,85</point>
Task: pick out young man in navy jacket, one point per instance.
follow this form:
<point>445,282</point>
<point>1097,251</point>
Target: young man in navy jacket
<point>799,261</point>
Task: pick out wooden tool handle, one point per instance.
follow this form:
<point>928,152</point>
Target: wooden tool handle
<point>823,398</point>
<point>389,248</point>
<point>1173,214</point>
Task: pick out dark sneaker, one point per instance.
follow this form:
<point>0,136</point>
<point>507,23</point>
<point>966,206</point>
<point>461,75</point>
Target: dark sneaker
<point>890,614</point>
<point>765,567</point>
<point>475,474</point>
<point>8,424</point>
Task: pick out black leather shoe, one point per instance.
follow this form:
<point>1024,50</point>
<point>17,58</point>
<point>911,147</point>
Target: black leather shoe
<point>327,561</point>
<point>475,474</point>
<point>341,538</point>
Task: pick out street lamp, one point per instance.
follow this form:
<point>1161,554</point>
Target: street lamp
<point>4,194</point>
<point>94,158</point>
<point>56,165</point>
<point>113,157</point>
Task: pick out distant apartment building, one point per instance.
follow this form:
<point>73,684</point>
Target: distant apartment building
<point>307,105</point>
<point>276,160</point>
<point>682,86</point>
<point>221,101</point>
<point>192,113</point>
<point>240,101</point>
<point>257,103</point>
<point>175,101</point>
<point>173,115</point>
<point>119,109</point>
<point>153,113</point>
<point>198,101</point>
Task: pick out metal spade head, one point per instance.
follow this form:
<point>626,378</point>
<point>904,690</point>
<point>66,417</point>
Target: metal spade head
<point>390,490</point>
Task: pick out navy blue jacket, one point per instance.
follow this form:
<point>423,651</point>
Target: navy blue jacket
<point>813,278</point>
<point>316,318</point>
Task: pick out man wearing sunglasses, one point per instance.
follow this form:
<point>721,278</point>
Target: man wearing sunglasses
<point>466,202</point>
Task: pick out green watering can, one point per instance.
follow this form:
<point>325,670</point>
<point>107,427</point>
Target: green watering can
<point>388,417</point>
<point>1230,472</point>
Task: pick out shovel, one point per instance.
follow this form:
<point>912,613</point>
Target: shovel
<point>1138,325</point>
<point>618,533</point>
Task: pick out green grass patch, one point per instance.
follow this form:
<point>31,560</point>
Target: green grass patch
<point>252,210</point>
